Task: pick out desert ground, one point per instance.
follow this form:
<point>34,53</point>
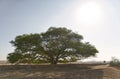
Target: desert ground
<point>60,71</point>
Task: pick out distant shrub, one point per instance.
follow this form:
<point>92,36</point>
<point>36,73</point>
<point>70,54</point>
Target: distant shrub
<point>114,62</point>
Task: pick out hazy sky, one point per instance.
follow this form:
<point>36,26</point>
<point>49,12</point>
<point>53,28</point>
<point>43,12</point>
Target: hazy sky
<point>97,20</point>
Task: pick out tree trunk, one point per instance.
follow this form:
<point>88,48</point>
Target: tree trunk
<point>53,61</point>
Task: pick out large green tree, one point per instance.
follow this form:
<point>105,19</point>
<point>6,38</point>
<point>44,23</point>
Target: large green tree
<point>53,46</point>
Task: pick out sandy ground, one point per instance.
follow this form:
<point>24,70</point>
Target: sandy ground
<point>74,71</point>
<point>109,72</point>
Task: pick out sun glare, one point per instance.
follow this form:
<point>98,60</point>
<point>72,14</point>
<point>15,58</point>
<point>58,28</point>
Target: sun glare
<point>89,13</point>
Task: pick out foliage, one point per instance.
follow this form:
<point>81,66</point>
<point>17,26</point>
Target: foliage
<point>114,62</point>
<point>53,46</point>
<point>28,46</point>
<point>14,57</point>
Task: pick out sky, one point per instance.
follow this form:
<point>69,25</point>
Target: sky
<point>97,20</point>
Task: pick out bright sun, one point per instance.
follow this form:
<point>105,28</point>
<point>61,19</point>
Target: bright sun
<point>89,13</point>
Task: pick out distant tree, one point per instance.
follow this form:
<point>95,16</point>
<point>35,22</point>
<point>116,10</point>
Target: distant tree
<point>53,46</point>
<point>114,62</point>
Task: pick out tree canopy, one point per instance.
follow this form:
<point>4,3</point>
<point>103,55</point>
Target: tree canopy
<point>53,46</point>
